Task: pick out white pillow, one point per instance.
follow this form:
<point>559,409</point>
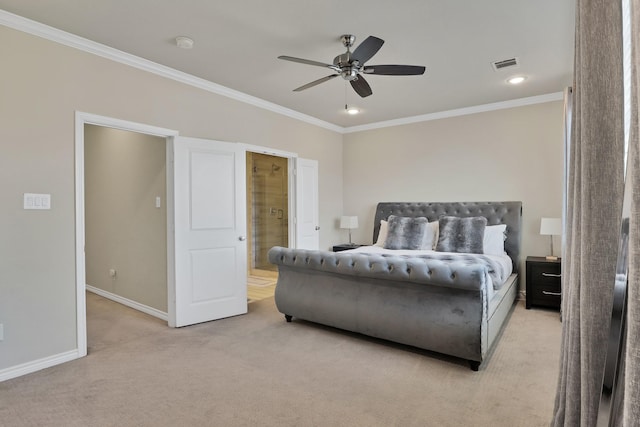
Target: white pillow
<point>435,226</point>
<point>382,234</point>
<point>430,237</point>
<point>494,237</point>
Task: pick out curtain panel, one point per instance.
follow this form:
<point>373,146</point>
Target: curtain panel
<point>594,201</point>
<point>631,405</point>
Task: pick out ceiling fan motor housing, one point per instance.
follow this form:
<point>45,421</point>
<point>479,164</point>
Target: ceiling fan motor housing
<point>349,73</point>
<point>342,60</point>
<point>348,68</point>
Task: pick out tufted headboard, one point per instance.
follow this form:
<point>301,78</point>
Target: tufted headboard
<point>509,213</point>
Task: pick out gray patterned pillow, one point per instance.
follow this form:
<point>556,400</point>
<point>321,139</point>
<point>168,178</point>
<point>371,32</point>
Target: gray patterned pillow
<point>405,233</point>
<point>463,235</point>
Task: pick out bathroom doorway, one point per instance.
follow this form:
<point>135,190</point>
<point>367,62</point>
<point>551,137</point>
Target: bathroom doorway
<point>267,211</point>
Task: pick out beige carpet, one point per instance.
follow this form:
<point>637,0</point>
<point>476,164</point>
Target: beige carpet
<point>258,370</point>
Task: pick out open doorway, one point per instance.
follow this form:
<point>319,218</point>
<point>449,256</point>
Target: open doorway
<point>82,119</point>
<point>126,217</point>
<point>267,219</point>
<point>297,200</point>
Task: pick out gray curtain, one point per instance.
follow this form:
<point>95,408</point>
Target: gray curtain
<point>631,405</point>
<point>594,201</point>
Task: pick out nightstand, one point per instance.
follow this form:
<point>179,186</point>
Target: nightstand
<point>543,282</point>
<point>345,247</point>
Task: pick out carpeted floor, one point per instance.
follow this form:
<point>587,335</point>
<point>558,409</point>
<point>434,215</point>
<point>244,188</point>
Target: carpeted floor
<point>258,370</point>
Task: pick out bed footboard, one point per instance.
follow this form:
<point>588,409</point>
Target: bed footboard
<point>407,307</point>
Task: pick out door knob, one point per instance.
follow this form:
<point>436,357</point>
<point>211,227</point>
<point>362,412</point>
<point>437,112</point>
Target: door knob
<point>317,228</point>
<point>242,238</point>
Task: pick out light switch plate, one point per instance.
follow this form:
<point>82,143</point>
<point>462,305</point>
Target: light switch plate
<point>37,201</point>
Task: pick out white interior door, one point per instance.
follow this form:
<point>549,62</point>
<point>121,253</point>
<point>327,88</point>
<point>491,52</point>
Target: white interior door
<point>210,248</point>
<point>307,211</point>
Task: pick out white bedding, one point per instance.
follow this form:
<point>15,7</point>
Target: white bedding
<point>504,260</point>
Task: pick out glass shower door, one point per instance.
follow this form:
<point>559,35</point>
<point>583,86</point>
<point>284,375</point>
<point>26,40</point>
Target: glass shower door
<point>269,188</point>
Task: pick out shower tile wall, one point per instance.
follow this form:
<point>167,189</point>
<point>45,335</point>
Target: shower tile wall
<point>270,214</point>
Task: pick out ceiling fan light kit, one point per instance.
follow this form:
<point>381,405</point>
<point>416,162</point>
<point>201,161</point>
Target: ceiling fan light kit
<point>351,110</point>
<point>350,65</point>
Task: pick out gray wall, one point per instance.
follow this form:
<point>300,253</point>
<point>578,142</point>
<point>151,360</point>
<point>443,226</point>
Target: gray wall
<point>124,173</point>
<point>43,84</point>
<point>511,154</point>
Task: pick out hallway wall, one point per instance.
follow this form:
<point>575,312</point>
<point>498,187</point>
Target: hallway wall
<point>124,230</point>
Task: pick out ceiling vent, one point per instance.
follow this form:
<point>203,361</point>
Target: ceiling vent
<point>505,63</point>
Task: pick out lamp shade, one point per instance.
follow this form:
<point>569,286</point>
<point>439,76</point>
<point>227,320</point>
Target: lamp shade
<point>349,222</point>
<point>550,226</point>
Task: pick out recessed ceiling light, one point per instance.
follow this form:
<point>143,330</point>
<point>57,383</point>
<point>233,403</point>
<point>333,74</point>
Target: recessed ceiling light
<point>516,80</point>
<point>184,42</point>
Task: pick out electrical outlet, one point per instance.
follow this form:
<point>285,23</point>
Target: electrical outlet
<point>1,332</point>
<point>112,273</point>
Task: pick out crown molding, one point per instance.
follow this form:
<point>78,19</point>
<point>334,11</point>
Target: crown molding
<point>540,99</point>
<point>58,36</point>
<point>62,37</point>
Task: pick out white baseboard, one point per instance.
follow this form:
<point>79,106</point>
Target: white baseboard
<point>47,362</point>
<point>129,303</point>
<point>37,365</point>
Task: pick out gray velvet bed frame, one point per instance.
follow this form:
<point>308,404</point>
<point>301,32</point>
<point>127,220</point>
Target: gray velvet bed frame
<point>415,301</point>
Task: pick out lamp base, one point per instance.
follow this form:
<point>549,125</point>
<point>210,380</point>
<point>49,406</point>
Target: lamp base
<point>551,258</point>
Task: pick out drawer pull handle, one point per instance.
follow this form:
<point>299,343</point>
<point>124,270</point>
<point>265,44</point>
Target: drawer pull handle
<point>551,275</point>
<point>555,294</point>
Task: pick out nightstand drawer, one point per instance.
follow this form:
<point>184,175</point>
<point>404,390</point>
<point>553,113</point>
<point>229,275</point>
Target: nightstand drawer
<point>543,274</point>
<point>546,295</point>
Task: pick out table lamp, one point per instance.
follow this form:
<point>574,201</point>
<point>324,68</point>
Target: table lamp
<point>551,227</point>
<point>349,222</point>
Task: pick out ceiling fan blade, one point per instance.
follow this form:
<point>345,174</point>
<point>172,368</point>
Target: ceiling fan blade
<point>361,86</point>
<point>315,82</point>
<point>306,61</point>
<point>367,49</point>
<point>394,70</point>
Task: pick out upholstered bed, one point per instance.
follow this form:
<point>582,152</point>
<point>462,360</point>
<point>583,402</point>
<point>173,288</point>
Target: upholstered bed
<point>449,303</point>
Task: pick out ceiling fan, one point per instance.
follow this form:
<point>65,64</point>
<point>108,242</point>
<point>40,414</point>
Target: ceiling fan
<point>350,65</point>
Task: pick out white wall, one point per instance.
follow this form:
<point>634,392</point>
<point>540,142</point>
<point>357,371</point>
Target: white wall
<point>511,154</point>
<point>43,84</point>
